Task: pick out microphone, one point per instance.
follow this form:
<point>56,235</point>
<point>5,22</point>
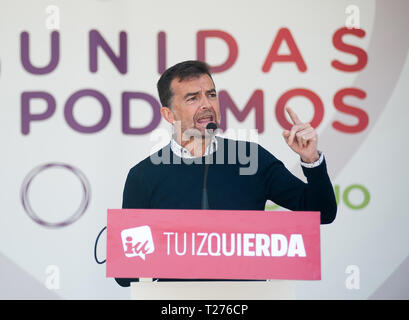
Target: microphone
<point>210,128</point>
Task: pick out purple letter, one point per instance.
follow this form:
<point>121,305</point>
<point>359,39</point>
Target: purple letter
<point>25,56</point>
<point>161,52</point>
<point>69,106</point>
<point>96,40</point>
<point>126,97</point>
<point>255,101</point>
<point>27,117</point>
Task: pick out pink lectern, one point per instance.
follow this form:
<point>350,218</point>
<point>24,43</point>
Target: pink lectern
<point>213,244</point>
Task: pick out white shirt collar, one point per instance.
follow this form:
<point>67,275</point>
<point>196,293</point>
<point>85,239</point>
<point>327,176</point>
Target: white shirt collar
<point>184,153</point>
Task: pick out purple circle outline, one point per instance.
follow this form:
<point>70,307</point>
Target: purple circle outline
<point>77,214</point>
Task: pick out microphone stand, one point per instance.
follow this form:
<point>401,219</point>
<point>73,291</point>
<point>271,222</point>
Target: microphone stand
<point>211,127</point>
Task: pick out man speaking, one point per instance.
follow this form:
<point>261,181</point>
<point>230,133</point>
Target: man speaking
<point>199,170</point>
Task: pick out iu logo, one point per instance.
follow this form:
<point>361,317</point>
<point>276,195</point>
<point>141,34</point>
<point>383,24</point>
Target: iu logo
<point>137,242</point>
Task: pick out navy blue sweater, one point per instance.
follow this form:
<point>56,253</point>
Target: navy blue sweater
<point>177,183</point>
<point>179,186</point>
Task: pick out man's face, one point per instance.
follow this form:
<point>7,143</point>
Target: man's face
<point>194,105</point>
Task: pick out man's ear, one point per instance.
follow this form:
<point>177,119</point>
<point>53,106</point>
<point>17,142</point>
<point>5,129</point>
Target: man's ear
<point>167,114</point>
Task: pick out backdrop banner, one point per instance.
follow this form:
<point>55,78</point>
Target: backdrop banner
<point>79,108</point>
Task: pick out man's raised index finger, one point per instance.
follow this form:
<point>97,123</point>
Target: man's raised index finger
<point>293,115</point>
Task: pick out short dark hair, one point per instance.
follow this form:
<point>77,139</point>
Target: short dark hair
<point>183,70</point>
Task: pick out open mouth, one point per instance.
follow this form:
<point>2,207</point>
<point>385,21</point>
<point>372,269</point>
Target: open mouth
<point>205,119</point>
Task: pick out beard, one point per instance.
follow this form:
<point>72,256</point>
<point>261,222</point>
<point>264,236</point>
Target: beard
<point>199,130</point>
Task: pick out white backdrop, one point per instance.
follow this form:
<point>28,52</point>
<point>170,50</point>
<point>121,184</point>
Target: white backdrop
<point>364,252</point>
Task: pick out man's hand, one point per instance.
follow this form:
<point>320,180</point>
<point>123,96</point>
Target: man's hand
<point>302,138</point>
